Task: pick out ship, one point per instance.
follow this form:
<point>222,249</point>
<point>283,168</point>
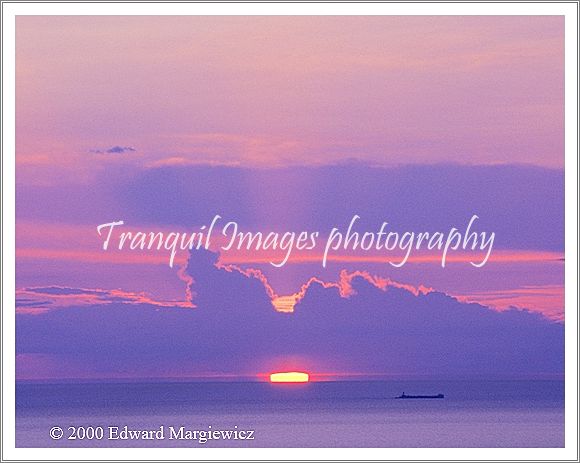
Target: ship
<point>406,396</point>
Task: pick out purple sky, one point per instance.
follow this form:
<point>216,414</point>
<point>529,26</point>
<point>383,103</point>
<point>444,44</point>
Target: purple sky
<point>281,90</point>
<point>287,123</point>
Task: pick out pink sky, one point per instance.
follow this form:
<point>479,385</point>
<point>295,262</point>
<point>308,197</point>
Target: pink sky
<point>274,90</point>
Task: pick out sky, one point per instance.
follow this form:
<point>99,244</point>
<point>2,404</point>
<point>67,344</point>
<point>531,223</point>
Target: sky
<point>288,123</point>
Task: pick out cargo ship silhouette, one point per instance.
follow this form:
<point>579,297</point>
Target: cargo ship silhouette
<point>406,396</point>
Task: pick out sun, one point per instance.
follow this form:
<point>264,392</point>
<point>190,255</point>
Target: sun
<point>289,377</point>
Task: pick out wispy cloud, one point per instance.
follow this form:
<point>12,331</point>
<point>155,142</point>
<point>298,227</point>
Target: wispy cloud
<point>36,300</point>
<point>114,150</point>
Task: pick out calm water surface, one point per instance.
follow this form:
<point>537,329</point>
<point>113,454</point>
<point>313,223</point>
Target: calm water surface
<point>324,414</point>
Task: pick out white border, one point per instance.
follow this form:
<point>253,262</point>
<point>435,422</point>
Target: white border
<point>10,10</point>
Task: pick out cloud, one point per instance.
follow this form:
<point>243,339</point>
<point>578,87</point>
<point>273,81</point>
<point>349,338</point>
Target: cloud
<point>114,150</point>
<point>37,300</point>
<point>548,299</point>
<point>523,205</point>
<point>359,325</point>
<point>63,291</point>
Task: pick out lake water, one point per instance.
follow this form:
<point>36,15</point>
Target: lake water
<point>322,414</point>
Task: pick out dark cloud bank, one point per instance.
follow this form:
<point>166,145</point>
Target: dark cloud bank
<point>235,329</point>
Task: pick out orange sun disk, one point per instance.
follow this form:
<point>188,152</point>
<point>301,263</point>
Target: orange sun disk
<point>289,377</point>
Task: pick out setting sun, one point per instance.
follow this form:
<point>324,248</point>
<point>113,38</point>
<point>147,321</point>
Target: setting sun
<point>289,377</point>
